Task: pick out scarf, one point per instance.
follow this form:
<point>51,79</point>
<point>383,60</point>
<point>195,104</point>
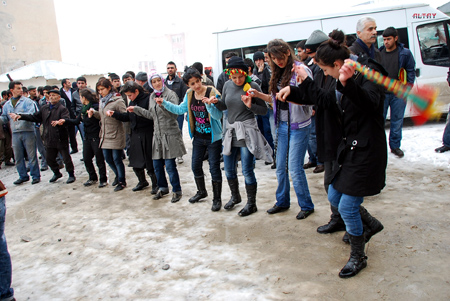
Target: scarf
<point>86,108</point>
<point>106,99</point>
<point>370,52</point>
<point>152,76</point>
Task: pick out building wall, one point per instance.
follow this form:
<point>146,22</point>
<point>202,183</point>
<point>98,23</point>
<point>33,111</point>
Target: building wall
<point>28,33</point>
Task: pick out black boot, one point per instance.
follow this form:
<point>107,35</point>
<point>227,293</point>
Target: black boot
<point>235,195</point>
<point>217,200</point>
<point>140,174</point>
<point>371,225</point>
<point>335,224</point>
<point>154,183</point>
<point>201,190</point>
<point>250,207</point>
<point>357,260</point>
<point>345,238</point>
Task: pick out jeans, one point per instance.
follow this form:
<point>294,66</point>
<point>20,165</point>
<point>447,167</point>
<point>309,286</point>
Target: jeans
<point>26,141</point>
<point>264,127</point>
<point>247,161</point>
<point>312,143</point>
<point>114,159</point>
<point>172,170</point>
<point>397,112</point>
<point>90,149</point>
<point>5,259</point>
<point>273,128</point>
<point>348,207</point>
<point>180,120</point>
<point>446,137</point>
<point>199,147</point>
<point>298,142</point>
<point>40,146</point>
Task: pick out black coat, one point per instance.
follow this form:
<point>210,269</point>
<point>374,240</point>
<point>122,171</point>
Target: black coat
<point>69,104</point>
<point>362,152</point>
<point>91,125</point>
<point>141,136</point>
<point>54,137</point>
<point>178,86</point>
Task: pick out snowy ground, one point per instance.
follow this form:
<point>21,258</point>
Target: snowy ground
<point>103,245</point>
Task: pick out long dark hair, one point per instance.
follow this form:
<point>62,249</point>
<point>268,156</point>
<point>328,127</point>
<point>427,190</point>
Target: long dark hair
<point>89,95</point>
<point>280,49</point>
<point>104,82</point>
<point>131,86</point>
<point>335,49</point>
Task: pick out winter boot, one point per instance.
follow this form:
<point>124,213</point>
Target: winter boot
<point>217,200</point>
<point>335,224</point>
<point>154,183</point>
<point>140,174</point>
<point>345,238</point>
<point>371,225</point>
<point>201,190</point>
<point>250,207</point>
<point>235,195</point>
<point>357,260</point>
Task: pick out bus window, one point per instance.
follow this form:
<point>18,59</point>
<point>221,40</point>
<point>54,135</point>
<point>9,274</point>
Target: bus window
<point>433,44</point>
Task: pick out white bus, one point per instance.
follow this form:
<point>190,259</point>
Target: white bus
<point>423,29</point>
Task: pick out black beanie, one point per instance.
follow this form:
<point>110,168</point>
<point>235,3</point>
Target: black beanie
<point>236,62</point>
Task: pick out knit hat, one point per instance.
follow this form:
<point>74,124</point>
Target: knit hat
<point>142,76</point>
<point>314,40</point>
<point>258,55</point>
<point>237,65</point>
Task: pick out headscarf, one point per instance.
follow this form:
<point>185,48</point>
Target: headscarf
<point>153,75</point>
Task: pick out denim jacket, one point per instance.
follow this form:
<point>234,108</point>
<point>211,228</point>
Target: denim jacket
<point>24,106</point>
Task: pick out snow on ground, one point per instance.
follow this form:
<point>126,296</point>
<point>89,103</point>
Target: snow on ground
<point>103,245</point>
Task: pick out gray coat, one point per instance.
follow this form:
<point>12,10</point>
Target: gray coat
<point>167,140</point>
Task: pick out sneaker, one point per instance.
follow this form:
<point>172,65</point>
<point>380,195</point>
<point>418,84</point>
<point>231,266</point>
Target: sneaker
<point>20,181</point>
<point>89,182</point>
<point>180,160</point>
<point>304,214</point>
<point>102,184</point>
<point>398,152</point>
<point>120,186</point>
<point>442,149</point>
<point>161,193</point>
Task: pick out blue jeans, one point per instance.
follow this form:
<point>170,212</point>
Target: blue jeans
<point>199,147</point>
<point>40,146</point>
<point>397,112</point>
<point>171,168</point>
<point>348,207</point>
<point>21,142</point>
<point>114,159</point>
<point>5,260</point>
<point>446,137</point>
<point>312,143</point>
<point>264,127</point>
<point>247,160</point>
<point>273,128</point>
<point>180,120</point>
<point>298,142</point>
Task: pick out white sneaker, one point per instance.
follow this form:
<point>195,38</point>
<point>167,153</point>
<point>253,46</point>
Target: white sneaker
<point>180,160</point>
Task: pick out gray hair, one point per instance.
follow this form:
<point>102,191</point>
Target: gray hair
<point>362,23</point>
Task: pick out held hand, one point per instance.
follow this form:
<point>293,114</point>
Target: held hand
<point>130,109</point>
<point>14,116</point>
<point>346,72</point>
<point>109,113</point>
<point>300,71</point>
<point>55,123</point>
<point>208,101</point>
<point>284,93</point>
<point>90,112</point>
<point>254,93</point>
<point>159,100</point>
<point>247,100</point>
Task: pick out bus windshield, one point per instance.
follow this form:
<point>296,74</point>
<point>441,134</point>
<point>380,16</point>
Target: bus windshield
<point>433,40</point>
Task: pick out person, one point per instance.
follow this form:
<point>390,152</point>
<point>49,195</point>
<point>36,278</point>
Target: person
<point>115,81</point>
<point>208,73</point>
<point>205,129</point>
<point>446,137</point>
<point>66,92</point>
<point>142,80</point>
<point>241,133</point>
<point>366,30</point>
<point>400,64</point>
<point>127,77</point>
<point>223,77</point>
<point>112,132</point>
<point>56,137</point>
<point>362,153</point>
<point>167,142</point>
<point>77,105</point>
<point>205,80</point>
<point>174,83</point>
<point>141,136</point>
<point>293,125</point>
<point>6,291</point>
<point>23,133</point>
<point>91,140</point>
<point>37,130</point>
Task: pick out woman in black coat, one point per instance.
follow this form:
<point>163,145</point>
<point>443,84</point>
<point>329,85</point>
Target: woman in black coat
<point>140,152</point>
<point>362,153</point>
<point>91,139</point>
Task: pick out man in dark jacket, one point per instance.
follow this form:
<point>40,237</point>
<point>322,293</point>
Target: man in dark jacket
<point>56,137</point>
<point>174,83</point>
<point>399,63</point>
<point>66,93</point>
<point>366,29</point>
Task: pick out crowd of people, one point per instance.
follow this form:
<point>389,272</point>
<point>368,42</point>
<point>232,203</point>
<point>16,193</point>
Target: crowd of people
<point>275,108</point>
